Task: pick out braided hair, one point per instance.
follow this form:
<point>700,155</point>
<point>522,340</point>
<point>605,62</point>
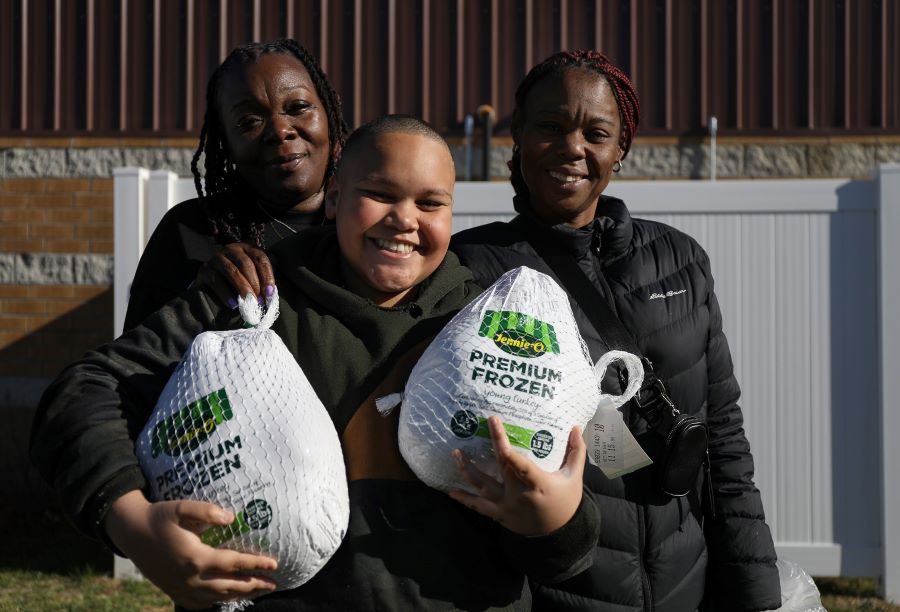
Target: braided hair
<point>228,216</point>
<point>558,63</point>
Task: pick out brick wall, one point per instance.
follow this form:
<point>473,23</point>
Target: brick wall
<point>61,217</point>
<point>51,308</point>
<point>70,215</point>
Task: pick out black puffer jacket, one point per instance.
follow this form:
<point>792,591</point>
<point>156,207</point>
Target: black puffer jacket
<point>652,553</point>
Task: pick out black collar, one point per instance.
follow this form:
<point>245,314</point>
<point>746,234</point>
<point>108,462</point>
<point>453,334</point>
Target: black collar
<point>608,235</point>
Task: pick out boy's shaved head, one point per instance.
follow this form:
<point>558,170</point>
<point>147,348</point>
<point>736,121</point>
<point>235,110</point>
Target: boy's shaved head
<point>390,124</point>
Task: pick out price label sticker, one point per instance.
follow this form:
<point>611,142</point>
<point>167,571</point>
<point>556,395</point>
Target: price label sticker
<point>604,436</point>
<point>611,445</point>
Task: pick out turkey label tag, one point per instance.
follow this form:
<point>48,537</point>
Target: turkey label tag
<point>611,446</point>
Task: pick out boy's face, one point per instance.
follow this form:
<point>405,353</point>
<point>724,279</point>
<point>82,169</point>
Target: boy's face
<point>392,204</point>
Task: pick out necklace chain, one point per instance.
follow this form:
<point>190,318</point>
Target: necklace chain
<point>275,219</point>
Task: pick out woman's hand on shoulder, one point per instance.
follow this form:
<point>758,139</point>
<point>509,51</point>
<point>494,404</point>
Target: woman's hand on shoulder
<point>163,541</point>
<point>530,500</point>
<point>237,270</point>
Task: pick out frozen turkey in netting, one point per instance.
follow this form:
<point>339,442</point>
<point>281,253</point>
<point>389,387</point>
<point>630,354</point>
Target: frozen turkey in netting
<point>239,425</point>
<point>514,352</point>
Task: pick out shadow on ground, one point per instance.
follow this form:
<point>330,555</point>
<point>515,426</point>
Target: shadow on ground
<point>27,366</point>
<point>46,542</point>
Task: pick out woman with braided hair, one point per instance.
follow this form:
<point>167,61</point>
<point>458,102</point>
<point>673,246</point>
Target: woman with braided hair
<point>575,117</point>
<point>271,137</point>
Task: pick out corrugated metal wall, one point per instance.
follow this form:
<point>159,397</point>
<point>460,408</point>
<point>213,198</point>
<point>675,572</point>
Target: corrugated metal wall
<point>139,67</point>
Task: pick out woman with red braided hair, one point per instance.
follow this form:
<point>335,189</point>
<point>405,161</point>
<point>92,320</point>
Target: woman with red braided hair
<point>271,137</point>
<point>575,117</point>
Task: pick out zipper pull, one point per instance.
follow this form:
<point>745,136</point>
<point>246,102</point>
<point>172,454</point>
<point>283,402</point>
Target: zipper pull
<point>710,497</point>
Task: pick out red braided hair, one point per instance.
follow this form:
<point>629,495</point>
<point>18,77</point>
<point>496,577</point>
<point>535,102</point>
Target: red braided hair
<point>621,85</point>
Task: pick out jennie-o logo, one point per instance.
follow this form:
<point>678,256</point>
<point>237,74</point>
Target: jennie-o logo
<point>518,334</point>
<point>189,427</point>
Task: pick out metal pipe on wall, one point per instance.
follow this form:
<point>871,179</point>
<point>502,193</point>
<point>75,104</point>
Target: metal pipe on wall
<point>486,113</point>
<point>468,130</point>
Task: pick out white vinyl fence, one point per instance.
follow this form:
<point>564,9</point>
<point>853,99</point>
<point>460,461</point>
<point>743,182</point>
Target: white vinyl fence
<point>811,303</point>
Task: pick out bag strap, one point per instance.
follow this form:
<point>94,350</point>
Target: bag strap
<point>573,278</point>
<point>652,399</point>
<point>606,322</point>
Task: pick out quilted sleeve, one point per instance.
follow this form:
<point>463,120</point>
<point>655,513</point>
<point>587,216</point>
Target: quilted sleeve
<point>557,556</point>
<point>742,573</point>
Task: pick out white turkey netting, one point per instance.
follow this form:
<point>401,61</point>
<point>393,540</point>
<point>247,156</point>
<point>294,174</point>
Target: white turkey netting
<point>514,352</point>
<point>239,425</point>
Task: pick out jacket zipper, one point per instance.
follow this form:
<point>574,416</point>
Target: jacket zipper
<point>601,277</point>
<point>642,536</point>
<point>645,580</point>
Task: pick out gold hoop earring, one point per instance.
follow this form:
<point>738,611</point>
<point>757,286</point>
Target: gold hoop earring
<point>617,166</point>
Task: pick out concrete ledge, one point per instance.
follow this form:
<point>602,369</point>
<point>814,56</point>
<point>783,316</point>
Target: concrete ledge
<point>47,162</point>
<point>754,160</point>
<point>649,158</point>
<point>55,269</point>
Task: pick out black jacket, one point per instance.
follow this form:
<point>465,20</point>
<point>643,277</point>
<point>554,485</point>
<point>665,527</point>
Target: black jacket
<point>183,241</point>
<point>652,553</point>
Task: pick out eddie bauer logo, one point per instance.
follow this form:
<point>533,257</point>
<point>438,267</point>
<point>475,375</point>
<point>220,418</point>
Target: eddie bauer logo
<point>667,294</point>
<point>518,334</point>
<point>185,430</point>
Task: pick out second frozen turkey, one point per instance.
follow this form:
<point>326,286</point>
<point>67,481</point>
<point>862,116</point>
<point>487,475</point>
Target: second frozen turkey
<point>514,352</point>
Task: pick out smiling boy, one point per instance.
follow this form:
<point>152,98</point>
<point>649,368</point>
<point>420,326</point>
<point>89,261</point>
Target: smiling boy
<point>360,301</point>
<point>392,205</point>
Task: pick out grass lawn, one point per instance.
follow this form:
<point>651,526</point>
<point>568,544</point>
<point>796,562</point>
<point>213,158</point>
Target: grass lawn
<point>46,565</point>
<point>852,595</point>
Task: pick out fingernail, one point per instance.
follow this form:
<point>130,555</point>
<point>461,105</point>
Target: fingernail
<point>261,301</point>
<point>226,517</point>
<point>270,289</point>
<point>232,303</point>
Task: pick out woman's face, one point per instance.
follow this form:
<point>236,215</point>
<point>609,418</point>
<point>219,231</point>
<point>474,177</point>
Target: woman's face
<point>568,137</point>
<point>276,131</point>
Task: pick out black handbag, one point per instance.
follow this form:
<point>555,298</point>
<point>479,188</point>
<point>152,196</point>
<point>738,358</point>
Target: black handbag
<point>683,449</point>
<point>682,438</point>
